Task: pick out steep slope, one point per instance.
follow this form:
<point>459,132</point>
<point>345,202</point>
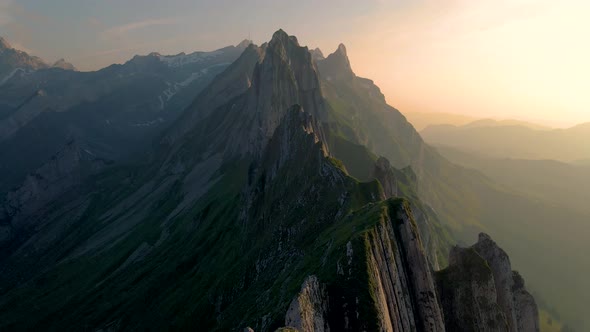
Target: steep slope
<point>245,219</point>
<point>116,111</point>
<point>480,292</point>
<point>465,201</point>
<point>21,209</point>
<point>13,62</point>
<point>271,213</point>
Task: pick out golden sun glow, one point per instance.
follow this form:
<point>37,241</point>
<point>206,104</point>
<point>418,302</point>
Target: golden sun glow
<point>518,59</point>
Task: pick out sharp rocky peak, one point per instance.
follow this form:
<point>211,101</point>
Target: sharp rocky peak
<point>285,76</point>
<point>484,271</point>
<point>282,76</point>
<point>337,65</point>
<point>280,36</point>
<point>317,54</point>
<point>341,50</point>
<point>244,43</point>
<point>63,64</point>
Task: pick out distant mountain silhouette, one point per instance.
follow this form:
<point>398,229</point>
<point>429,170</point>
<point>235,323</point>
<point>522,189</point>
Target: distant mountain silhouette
<point>513,140</point>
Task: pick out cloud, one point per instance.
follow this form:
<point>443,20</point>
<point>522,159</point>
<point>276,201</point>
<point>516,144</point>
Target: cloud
<point>130,27</point>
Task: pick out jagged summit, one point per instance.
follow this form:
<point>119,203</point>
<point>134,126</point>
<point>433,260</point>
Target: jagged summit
<point>12,59</point>
<point>342,50</point>
<point>244,43</point>
<point>317,54</point>
<point>4,44</point>
<point>63,64</point>
<point>337,65</point>
<point>481,277</point>
<point>284,77</point>
<point>482,237</point>
<point>266,82</point>
<point>280,37</point>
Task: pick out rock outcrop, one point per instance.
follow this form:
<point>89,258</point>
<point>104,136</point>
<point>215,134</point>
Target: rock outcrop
<point>317,54</point>
<point>514,300</point>
<point>468,294</point>
<point>308,311</point>
<point>384,173</point>
<point>336,66</point>
<point>399,294</point>
<point>480,292</point>
<point>61,173</point>
<point>405,286</point>
<point>12,59</point>
<point>63,64</point>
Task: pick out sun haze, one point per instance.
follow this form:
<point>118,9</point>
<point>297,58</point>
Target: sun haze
<point>524,59</point>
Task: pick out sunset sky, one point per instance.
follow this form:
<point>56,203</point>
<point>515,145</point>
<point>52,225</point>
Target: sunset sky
<point>519,59</point>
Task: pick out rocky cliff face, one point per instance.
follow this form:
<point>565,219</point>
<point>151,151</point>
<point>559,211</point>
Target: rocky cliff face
<point>64,171</point>
<point>244,217</point>
<point>63,64</point>
<point>515,301</point>
<point>480,292</point>
<point>400,294</point>
<point>117,110</point>
<point>12,61</point>
<point>405,296</point>
<point>468,294</point>
<point>309,310</point>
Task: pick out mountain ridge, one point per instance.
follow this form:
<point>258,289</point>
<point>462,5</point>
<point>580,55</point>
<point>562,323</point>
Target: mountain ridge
<point>245,217</point>
<point>514,141</point>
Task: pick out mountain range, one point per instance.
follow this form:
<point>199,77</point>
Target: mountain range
<point>112,113</point>
<point>422,120</point>
<point>513,140</point>
<point>278,191</point>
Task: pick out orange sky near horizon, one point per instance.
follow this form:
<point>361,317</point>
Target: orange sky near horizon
<point>519,59</point>
<point>528,60</point>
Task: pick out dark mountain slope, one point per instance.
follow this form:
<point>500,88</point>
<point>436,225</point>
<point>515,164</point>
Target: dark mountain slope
<point>116,112</point>
<point>273,212</point>
<point>13,62</point>
<point>246,219</point>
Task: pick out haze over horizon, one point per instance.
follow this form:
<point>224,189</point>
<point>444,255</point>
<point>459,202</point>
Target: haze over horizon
<point>521,59</point>
<point>413,180</point>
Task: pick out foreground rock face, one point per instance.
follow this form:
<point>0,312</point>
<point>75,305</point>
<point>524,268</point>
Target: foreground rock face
<point>477,292</point>
<point>518,305</point>
<point>397,293</point>
<point>468,294</point>
<point>405,283</point>
<point>309,309</point>
<point>480,292</point>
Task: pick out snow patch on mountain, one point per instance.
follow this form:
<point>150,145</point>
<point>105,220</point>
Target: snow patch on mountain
<point>182,59</point>
<point>11,75</point>
<point>174,88</point>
